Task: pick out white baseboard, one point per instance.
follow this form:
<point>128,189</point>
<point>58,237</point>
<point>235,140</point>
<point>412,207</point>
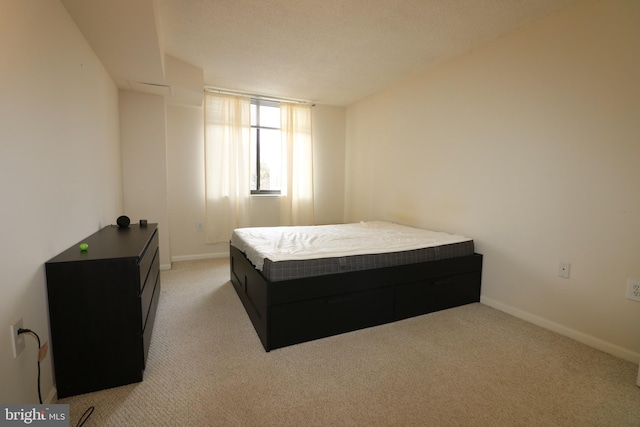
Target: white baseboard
<point>589,340</point>
<point>52,396</point>
<point>194,258</point>
<point>199,256</point>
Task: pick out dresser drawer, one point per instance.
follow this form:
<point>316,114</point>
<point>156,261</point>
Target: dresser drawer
<point>148,289</point>
<point>150,319</point>
<point>147,259</point>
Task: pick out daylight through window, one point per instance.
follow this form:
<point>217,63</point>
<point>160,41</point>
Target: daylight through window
<point>266,152</point>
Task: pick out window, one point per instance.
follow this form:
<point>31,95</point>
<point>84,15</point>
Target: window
<point>266,151</point>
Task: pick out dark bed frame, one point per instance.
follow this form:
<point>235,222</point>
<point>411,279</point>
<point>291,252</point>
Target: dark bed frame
<point>294,311</point>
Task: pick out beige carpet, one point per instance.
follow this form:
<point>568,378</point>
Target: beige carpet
<point>468,366</point>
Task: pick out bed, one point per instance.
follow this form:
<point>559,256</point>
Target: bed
<point>299,284</point>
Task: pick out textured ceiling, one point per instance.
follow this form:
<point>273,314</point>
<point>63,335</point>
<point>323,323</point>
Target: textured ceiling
<point>331,51</point>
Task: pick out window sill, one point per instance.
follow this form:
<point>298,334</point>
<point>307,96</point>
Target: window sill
<point>265,195</point>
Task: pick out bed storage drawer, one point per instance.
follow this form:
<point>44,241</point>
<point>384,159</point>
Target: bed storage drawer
<point>301,321</point>
<point>413,299</point>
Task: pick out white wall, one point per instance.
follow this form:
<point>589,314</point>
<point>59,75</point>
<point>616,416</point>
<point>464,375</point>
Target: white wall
<point>185,154</point>
<point>60,174</point>
<point>185,158</point>
<point>144,164</point>
<point>329,126</point>
<point>530,145</point>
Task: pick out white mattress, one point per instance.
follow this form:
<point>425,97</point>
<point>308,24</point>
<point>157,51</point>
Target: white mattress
<point>326,241</point>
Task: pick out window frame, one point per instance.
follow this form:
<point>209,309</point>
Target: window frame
<point>258,102</point>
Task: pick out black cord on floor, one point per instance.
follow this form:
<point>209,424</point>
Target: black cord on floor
<point>83,419</point>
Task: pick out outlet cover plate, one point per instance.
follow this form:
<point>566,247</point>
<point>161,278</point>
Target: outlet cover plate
<point>633,289</point>
<point>17,341</point>
<point>563,269</point>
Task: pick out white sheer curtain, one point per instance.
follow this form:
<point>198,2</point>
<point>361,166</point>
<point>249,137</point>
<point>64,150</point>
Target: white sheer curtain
<point>227,171</point>
<point>296,199</point>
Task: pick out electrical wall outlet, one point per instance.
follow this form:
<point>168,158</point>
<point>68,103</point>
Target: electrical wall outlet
<point>17,341</point>
<point>563,269</point>
<point>633,289</point>
<point>199,226</point>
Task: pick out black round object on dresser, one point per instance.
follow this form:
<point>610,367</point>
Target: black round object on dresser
<point>123,221</point>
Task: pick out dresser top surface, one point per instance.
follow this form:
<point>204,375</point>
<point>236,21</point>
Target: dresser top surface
<point>110,242</point>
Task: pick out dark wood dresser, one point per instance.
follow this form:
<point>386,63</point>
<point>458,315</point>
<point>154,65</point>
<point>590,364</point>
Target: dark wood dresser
<point>102,306</point>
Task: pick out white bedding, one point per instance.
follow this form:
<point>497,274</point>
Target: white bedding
<point>326,241</point>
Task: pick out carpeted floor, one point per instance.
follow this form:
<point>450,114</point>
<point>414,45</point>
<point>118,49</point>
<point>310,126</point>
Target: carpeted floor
<point>467,366</point>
